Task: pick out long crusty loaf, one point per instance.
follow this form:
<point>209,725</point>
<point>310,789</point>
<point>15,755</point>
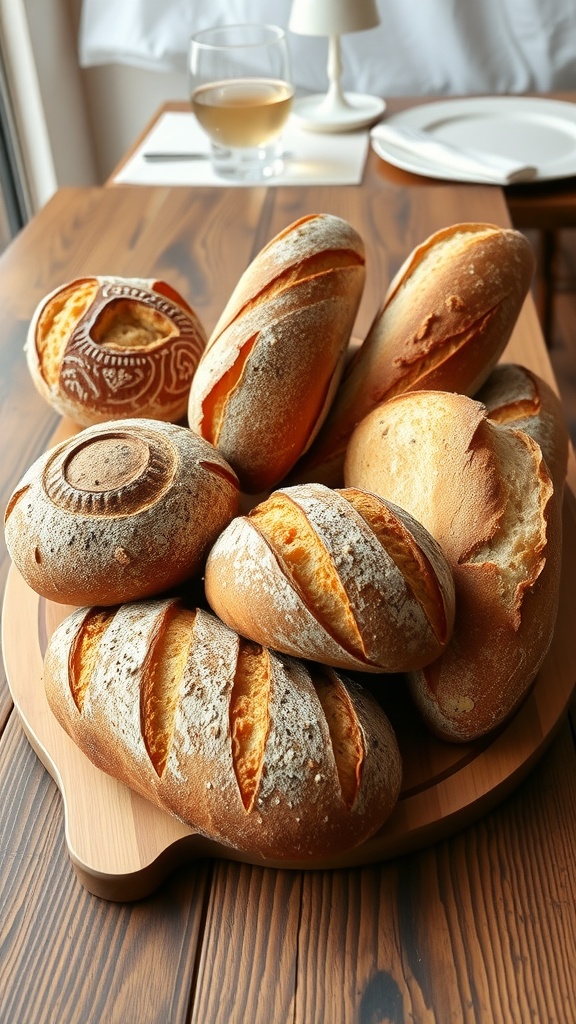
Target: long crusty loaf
<point>120,511</point>
<point>445,321</point>
<point>102,348</point>
<point>484,492</point>
<point>273,361</point>
<point>254,750</point>
<point>340,577</point>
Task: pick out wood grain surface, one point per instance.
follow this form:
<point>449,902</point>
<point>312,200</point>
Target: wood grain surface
<point>480,927</point>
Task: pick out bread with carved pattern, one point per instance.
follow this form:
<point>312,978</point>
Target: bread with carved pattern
<point>102,348</point>
<point>120,511</point>
<point>271,757</point>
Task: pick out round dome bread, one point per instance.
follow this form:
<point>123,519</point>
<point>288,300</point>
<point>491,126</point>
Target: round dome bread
<point>273,362</point>
<point>120,511</point>
<point>271,756</point>
<point>339,577</point>
<point>102,348</point>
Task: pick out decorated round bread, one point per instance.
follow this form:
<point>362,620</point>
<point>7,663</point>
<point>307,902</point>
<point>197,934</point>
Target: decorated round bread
<point>122,510</point>
<point>102,348</point>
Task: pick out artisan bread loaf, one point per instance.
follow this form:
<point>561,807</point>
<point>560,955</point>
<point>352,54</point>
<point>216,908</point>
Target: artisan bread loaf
<point>120,511</point>
<point>257,751</point>
<point>517,397</point>
<point>274,359</point>
<point>102,348</point>
<point>339,577</point>
<point>484,492</point>
<point>446,319</point>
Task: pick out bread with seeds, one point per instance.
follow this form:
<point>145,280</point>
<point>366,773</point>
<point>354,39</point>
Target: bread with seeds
<point>278,760</point>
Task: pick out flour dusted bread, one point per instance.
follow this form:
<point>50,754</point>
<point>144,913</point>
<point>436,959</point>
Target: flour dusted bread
<point>484,491</point>
<point>340,577</point>
<point>260,752</point>
<point>102,348</point>
<point>120,511</point>
<point>446,319</point>
<point>275,357</point>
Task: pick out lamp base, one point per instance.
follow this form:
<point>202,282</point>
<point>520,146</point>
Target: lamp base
<point>358,111</point>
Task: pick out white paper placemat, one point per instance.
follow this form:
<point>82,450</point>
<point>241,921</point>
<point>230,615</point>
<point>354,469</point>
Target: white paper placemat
<point>310,159</point>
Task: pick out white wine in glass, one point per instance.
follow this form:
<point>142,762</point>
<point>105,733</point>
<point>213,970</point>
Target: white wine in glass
<point>242,96</point>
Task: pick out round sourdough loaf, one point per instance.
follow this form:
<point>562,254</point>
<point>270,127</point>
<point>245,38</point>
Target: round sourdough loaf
<point>102,348</point>
<point>260,752</point>
<point>339,577</point>
<point>273,362</point>
<point>120,511</point>
<point>445,321</point>
<point>483,490</point>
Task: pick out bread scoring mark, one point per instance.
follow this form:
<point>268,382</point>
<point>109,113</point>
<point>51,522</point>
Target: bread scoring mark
<point>250,718</point>
<point>308,565</point>
<point>14,501</point>
<point>163,682</point>
<point>84,652</point>
<point>115,473</point>
<point>346,734</point>
<point>214,405</point>
<point>217,470</point>
<point>519,544</point>
<point>407,554</point>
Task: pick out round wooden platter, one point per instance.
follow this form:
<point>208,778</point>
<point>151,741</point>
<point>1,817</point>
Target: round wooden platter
<point>122,847</point>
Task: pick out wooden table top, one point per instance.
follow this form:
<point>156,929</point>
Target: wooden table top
<point>479,927</point>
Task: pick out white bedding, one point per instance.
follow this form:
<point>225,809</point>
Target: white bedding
<point>451,47</point>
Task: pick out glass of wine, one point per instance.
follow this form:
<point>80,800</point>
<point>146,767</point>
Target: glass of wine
<point>241,95</point>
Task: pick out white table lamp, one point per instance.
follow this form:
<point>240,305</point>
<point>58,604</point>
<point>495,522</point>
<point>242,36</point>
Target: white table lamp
<point>335,111</point>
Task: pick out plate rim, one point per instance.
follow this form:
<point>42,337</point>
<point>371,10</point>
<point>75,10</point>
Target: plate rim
<point>421,114</point>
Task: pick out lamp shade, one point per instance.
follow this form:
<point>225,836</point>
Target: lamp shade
<point>332,17</point>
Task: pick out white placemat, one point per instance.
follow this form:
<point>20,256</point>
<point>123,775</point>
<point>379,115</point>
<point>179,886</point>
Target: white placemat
<point>311,159</point>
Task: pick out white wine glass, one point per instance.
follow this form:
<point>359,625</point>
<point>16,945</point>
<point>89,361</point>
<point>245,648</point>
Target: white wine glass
<point>242,96</point>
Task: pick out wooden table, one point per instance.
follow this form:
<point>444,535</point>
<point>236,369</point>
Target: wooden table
<point>543,207</point>
<point>479,927</point>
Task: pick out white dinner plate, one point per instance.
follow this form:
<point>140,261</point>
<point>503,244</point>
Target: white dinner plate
<point>534,131</point>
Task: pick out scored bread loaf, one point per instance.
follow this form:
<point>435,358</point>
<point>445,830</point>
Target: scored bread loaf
<point>339,577</point>
<point>257,751</point>
<point>274,359</point>
<point>120,511</point>
<point>102,348</point>
<point>446,319</point>
<point>517,397</point>
<point>484,492</point>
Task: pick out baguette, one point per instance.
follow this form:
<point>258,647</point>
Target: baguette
<point>254,750</point>
<point>445,321</point>
<point>483,490</point>
<point>339,577</point>
<point>102,348</point>
<point>120,511</point>
<point>276,355</point>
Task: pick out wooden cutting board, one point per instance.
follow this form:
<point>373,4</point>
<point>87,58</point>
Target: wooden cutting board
<point>122,847</point>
